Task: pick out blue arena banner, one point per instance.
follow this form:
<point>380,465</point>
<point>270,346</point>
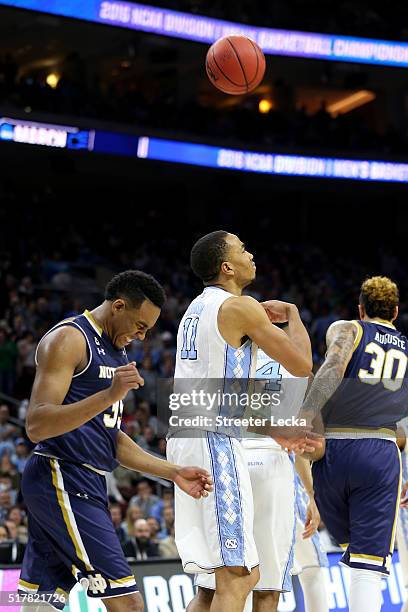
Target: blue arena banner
<point>271,163</point>
<point>202,29</point>
<point>21,131</point>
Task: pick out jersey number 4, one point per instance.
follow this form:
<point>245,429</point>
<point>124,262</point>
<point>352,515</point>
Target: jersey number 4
<point>188,350</point>
<point>388,367</point>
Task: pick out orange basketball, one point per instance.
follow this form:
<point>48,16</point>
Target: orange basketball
<point>235,64</point>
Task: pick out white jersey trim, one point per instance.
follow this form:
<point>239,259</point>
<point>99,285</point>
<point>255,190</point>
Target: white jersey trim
<point>61,324</point>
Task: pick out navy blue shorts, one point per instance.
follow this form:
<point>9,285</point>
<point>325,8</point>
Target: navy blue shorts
<point>71,537</point>
<point>357,489</point>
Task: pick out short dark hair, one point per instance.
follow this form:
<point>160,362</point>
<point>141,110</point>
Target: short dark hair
<point>135,286</point>
<point>207,255</point>
<point>380,296</point>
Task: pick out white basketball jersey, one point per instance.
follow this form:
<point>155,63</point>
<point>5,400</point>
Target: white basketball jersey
<point>206,363</point>
<point>287,393</point>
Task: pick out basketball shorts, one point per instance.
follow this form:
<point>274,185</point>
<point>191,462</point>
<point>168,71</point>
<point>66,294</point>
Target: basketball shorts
<point>71,537</point>
<point>357,490</point>
<point>272,479</point>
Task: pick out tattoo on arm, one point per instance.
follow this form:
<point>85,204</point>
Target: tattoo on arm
<point>340,341</point>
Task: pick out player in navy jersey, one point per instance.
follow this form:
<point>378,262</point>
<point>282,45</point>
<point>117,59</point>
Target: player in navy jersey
<point>362,390</point>
<point>74,417</point>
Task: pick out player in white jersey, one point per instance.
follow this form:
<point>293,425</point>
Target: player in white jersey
<point>279,501</point>
<point>402,525</point>
<point>216,349</point>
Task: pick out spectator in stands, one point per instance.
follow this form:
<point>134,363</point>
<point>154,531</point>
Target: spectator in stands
<point>4,532</point>
<point>144,417</point>
<point>140,545</point>
<point>8,468</point>
<point>167,546</point>
<point>7,498</point>
<point>22,453</point>
<point>167,524</point>
<point>145,498</point>
<point>8,432</point>
<point>16,515</point>
<point>154,526</point>
<point>116,514</point>
<point>167,501</point>
<point>8,356</point>
<point>133,513</point>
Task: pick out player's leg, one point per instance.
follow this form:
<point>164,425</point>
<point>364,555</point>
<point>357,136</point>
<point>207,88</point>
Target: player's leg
<point>232,587</point>
<point>402,543</point>
<point>375,484</point>
<point>272,478</point>
<point>125,603</point>
<point>216,533</point>
<point>202,600</point>
<point>265,601</point>
<point>309,560</point>
<point>314,591</point>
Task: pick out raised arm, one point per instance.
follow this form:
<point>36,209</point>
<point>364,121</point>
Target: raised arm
<point>59,356</point>
<point>340,342</point>
<point>243,316</point>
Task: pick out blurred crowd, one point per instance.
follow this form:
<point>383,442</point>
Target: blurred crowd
<point>147,105</point>
<point>46,276</point>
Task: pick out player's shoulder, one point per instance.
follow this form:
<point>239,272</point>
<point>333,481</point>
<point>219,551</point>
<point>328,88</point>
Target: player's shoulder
<point>240,303</point>
<point>64,339</point>
<point>344,327</point>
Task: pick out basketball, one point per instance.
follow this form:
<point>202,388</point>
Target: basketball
<point>235,65</point>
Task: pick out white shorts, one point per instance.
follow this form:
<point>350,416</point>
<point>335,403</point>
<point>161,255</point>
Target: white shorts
<point>272,478</point>
<point>308,553</point>
<point>215,531</point>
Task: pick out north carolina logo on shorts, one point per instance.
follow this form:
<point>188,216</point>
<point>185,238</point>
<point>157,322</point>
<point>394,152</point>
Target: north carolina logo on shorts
<point>231,543</point>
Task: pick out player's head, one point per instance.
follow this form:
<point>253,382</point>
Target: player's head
<point>221,256</point>
<point>135,299</point>
<point>379,297</point>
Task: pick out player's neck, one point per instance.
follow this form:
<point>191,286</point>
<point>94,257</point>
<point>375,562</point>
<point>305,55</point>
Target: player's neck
<point>100,315</point>
<point>228,285</point>
<point>377,320</point>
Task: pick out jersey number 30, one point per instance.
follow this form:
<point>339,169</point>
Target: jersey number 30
<point>388,367</point>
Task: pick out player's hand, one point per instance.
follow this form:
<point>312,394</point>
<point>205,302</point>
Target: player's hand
<point>404,495</point>
<point>277,311</point>
<point>125,378</point>
<point>194,481</point>
<point>312,519</point>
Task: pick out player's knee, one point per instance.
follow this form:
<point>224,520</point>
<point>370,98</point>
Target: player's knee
<point>237,580</point>
<point>271,597</point>
<point>127,603</point>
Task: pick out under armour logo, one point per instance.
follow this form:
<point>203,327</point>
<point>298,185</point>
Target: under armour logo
<point>101,351</point>
<point>231,543</point>
<point>97,584</point>
<point>83,495</point>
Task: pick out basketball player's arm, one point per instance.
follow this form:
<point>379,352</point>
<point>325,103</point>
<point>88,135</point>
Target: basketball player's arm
<point>59,356</point>
<point>247,317</point>
<point>283,312</point>
<point>304,471</point>
<point>194,481</point>
<point>340,342</point>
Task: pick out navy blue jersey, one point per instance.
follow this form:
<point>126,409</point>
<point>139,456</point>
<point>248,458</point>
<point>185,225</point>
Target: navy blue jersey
<point>94,443</point>
<point>374,391</point>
